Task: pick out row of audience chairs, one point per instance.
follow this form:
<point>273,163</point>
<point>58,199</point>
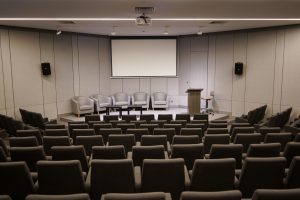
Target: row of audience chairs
<point>150,148</point>
<point>259,194</point>
<point>168,175</point>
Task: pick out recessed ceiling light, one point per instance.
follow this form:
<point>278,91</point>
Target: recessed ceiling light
<point>166,30</point>
<point>58,32</point>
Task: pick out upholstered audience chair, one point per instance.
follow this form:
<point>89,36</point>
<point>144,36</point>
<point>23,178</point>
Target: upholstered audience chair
<point>159,100</point>
<point>82,105</point>
<point>141,99</point>
<point>101,101</point>
<point>121,99</point>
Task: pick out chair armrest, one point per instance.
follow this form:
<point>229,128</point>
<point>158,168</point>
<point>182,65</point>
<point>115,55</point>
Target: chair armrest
<point>91,101</point>
<point>152,100</point>
<point>75,106</point>
<point>96,101</point>
<point>187,180</point>
<point>236,183</point>
<point>129,155</point>
<point>113,100</point>
<point>48,157</point>
<point>168,196</point>
<point>128,100</point>
<point>88,181</point>
<point>166,155</point>
<point>36,187</point>
<point>137,178</point>
<point>169,149</point>
<point>109,99</point>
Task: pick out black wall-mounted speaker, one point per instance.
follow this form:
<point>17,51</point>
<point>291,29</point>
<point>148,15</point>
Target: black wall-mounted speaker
<point>46,69</point>
<point>238,68</point>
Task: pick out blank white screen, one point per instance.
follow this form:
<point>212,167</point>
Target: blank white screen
<point>143,57</point>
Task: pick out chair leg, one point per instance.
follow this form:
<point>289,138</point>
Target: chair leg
<point>78,115</point>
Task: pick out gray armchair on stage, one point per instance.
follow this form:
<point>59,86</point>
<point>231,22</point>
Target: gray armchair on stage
<point>82,105</point>
<point>121,99</point>
<point>141,99</point>
<point>159,100</point>
<point>101,101</point>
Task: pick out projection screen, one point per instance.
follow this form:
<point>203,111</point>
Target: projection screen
<point>143,57</point>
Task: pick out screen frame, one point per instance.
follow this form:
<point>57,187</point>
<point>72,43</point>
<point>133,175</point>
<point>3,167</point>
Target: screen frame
<point>143,38</point>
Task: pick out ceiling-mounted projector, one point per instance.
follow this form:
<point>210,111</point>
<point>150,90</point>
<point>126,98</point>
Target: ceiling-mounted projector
<point>143,20</point>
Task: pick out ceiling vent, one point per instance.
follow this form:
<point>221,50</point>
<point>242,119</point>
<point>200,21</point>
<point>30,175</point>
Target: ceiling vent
<point>218,22</point>
<point>144,10</point>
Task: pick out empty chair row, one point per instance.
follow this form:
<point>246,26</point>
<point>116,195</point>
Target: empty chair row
<point>259,194</point>
<point>168,175</point>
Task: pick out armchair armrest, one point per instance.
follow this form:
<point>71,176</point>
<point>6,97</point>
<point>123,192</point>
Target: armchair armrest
<point>113,100</point>
<point>75,106</point>
<point>91,101</point>
<point>128,100</point>
<point>152,100</point>
<point>109,99</point>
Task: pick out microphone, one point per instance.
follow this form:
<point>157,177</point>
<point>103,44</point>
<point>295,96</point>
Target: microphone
<point>188,84</point>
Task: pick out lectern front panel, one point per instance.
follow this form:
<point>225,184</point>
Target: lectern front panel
<point>194,96</point>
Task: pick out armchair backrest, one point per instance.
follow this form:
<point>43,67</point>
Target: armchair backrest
<point>82,100</point>
<point>102,98</point>
<point>120,96</point>
<point>140,96</point>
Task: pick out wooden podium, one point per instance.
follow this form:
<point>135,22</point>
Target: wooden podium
<point>194,96</point>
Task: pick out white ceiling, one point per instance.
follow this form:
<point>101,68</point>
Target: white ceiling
<point>203,10</point>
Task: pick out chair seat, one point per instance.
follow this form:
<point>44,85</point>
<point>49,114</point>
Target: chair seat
<point>140,102</point>
<point>160,102</point>
<point>119,103</point>
<point>86,107</point>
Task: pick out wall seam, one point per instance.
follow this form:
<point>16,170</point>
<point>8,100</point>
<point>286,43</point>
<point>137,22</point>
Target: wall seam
<point>41,74</point>
<point>53,41</point>
<point>247,41</point>
<point>11,73</point>
<point>207,57</point>
<point>232,70</point>
<point>215,63</point>
<point>283,64</point>
<point>99,88</point>
<point>3,74</point>
<point>53,51</point>
<point>275,59</point>
<point>77,50</point>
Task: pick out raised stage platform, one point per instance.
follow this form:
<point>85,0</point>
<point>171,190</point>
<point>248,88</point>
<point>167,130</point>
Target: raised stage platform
<point>173,111</point>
